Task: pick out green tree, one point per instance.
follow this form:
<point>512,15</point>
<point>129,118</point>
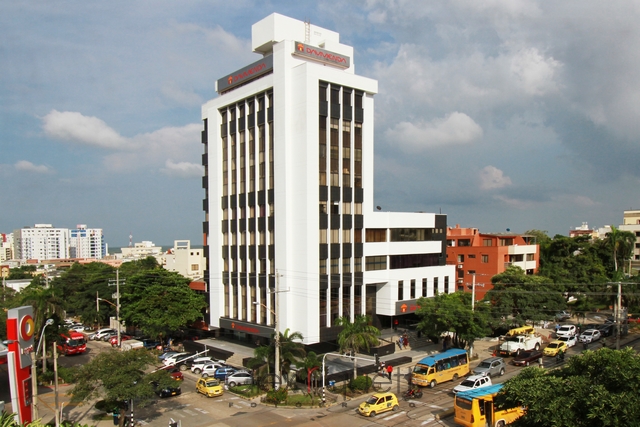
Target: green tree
<point>119,376</point>
<point>159,302</point>
<point>356,336</point>
<point>22,272</point>
<point>517,297</point>
<point>47,302</point>
<point>452,313</point>
<point>291,351</point>
<point>621,244</point>
<point>311,363</point>
<point>595,389</point>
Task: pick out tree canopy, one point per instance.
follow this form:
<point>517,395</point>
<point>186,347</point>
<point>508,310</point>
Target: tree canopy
<point>452,313</point>
<point>356,336</point>
<point>596,389</point>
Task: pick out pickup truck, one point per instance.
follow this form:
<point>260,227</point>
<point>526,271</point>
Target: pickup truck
<point>514,345</point>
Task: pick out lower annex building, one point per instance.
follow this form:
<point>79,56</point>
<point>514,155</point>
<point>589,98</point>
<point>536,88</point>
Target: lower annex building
<point>291,233</point>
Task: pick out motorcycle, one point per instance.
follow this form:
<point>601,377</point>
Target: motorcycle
<point>412,393</point>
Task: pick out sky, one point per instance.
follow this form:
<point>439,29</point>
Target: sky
<point>501,114</point>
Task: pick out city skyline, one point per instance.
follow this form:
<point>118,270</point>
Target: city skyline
<point>515,115</point>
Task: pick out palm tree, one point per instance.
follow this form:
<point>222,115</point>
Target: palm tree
<point>311,363</point>
<point>621,242</point>
<point>356,336</point>
<point>291,350</point>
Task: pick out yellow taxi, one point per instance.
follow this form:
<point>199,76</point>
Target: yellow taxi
<point>210,387</point>
<point>378,403</point>
<point>555,347</point>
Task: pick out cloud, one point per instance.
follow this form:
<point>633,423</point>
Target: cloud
<point>26,166</point>
<point>148,150</point>
<point>75,127</point>
<point>173,92</point>
<point>492,178</point>
<point>456,128</point>
<point>534,72</point>
<point>183,169</point>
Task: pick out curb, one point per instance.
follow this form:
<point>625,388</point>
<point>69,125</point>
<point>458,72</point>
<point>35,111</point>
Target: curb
<point>446,413</point>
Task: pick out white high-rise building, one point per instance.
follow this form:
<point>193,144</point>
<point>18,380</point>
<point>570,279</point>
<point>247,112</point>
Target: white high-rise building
<point>87,242</point>
<point>289,153</point>
<point>41,242</point>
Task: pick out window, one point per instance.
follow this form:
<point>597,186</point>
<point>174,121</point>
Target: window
<point>464,242</point>
<point>195,267</point>
<point>424,287</point>
<point>461,258</point>
<point>400,290</point>
<point>376,235</point>
<point>471,256</point>
<point>506,242</point>
<point>485,259</point>
<point>486,242</point>
<point>375,263</point>
<point>530,257</point>
<point>413,289</point>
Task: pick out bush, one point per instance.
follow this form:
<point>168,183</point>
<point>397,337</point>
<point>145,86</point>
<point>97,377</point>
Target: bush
<point>277,396</point>
<point>361,383</point>
<point>67,375</point>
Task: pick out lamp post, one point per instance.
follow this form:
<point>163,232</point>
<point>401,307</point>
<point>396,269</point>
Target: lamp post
<point>277,342</point>
<point>117,306</point>
<point>34,375</point>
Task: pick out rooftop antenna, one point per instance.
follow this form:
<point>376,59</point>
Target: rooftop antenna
<point>307,31</point>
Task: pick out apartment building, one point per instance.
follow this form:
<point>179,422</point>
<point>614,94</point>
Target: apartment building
<point>631,223</point>
<point>87,242</point>
<point>290,230</point>
<point>479,256</point>
<point>41,242</point>
<point>184,259</point>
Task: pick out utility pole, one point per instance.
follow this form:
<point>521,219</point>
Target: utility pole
<point>118,328</point>
<point>618,316</point>
<point>473,301</point>
<point>277,328</point>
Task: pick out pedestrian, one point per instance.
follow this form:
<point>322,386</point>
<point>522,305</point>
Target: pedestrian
<point>399,342</point>
<point>405,340</point>
<point>395,324</point>
<point>382,367</point>
<point>389,370</point>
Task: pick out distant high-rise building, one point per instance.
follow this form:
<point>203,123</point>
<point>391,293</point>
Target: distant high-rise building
<point>87,242</point>
<point>41,242</point>
<point>288,156</point>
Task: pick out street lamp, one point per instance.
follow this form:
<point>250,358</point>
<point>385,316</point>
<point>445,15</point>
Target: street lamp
<point>117,306</point>
<point>34,378</point>
<point>277,343</point>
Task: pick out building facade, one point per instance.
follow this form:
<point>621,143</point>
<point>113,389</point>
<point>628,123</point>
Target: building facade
<point>41,242</point>
<point>479,256</point>
<point>291,234</point>
<point>87,242</point>
<point>631,223</point>
<point>184,259</point>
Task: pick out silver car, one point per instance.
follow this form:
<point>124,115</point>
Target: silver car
<point>491,367</point>
<point>239,378</point>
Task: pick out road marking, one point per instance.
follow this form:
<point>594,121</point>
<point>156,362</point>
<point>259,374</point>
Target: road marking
<point>429,421</point>
<point>393,416</point>
<point>435,407</point>
<point>201,410</point>
<point>189,412</point>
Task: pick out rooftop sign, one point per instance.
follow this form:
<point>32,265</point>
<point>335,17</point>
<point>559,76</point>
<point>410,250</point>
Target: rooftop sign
<point>321,55</point>
<point>246,74</point>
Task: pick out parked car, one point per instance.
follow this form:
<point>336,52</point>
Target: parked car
<point>203,361</point>
<point>607,330</point>
<point>222,372</point>
<point>171,360</point>
<point>570,341</point>
<point>150,344</point>
<point>378,403</point>
<point>166,391</point>
<point>526,358</point>
<point>210,387</point>
<point>563,315</point>
<point>77,328</point>
<point>474,381</point>
<point>114,339</point>
<point>555,347</point>
<point>567,331</point>
<point>590,335</point>
<point>166,354</point>
<point>491,367</point>
<point>175,373</point>
<point>239,378</point>
<point>100,333</point>
<point>209,368</point>
<point>633,318</point>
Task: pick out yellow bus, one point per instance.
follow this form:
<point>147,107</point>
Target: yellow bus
<point>476,408</point>
<point>437,368</point>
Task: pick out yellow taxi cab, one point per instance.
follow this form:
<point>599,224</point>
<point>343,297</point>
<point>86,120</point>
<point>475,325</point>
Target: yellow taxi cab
<point>210,387</point>
<point>378,403</point>
<point>555,347</point>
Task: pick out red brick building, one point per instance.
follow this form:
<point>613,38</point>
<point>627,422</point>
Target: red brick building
<point>480,256</point>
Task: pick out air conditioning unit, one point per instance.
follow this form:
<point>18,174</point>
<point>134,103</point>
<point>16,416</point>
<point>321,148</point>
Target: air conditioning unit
<point>460,266</point>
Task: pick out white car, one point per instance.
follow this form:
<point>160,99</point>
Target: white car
<point>571,341</point>
<point>567,331</point>
<point>171,360</point>
<point>474,381</point>
<point>209,369</point>
<point>77,328</point>
<point>101,333</point>
<point>589,335</point>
